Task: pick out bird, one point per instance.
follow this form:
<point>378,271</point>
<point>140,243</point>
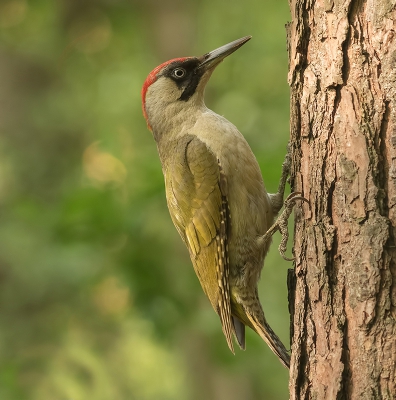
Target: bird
<point>215,192</point>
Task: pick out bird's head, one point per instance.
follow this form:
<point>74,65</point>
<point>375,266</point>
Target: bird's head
<point>179,84</point>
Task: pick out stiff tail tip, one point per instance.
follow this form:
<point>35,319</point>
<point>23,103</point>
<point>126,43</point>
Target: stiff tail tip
<point>272,340</point>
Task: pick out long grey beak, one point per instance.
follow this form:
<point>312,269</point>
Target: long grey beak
<point>214,57</point>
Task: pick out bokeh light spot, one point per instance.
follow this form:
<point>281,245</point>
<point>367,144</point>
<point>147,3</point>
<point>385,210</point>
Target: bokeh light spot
<point>102,167</point>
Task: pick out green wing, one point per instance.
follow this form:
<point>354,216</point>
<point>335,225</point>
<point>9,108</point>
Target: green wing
<point>197,199</point>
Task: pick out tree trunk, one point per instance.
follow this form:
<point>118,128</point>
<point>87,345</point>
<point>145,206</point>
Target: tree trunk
<point>342,73</point>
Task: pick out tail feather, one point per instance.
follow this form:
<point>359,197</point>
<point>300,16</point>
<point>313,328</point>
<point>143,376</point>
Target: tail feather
<point>239,331</point>
<point>270,337</point>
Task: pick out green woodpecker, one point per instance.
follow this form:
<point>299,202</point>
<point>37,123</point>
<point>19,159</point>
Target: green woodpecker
<point>215,192</point>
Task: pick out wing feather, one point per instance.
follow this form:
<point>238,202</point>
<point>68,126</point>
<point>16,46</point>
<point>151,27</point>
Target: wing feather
<point>197,200</point>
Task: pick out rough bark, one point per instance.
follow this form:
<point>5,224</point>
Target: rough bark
<point>342,74</point>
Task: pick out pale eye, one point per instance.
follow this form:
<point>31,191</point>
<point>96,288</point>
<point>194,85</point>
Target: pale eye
<point>179,73</point>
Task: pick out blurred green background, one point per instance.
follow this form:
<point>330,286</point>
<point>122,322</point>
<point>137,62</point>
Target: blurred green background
<point>98,296</point>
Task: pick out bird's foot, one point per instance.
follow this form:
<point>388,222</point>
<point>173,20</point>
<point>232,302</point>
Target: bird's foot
<point>277,198</point>
<point>281,223</point>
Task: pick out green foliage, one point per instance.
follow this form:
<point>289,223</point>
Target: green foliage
<point>99,299</point>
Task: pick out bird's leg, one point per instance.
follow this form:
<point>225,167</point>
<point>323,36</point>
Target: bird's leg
<point>277,198</point>
<point>276,202</point>
<point>281,223</point>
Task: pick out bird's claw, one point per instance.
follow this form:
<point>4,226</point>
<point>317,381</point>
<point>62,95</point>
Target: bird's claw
<point>281,223</point>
